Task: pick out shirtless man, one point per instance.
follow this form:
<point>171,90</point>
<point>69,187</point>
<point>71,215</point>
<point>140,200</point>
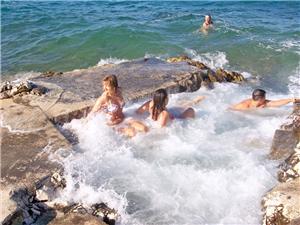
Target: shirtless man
<point>259,101</point>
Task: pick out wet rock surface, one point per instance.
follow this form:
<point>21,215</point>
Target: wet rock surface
<point>287,137</point>
<point>219,75</point>
<point>281,205</point>
<point>27,140</point>
<point>78,219</point>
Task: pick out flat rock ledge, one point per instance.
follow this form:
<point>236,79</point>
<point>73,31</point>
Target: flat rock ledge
<point>32,144</point>
<point>281,205</point>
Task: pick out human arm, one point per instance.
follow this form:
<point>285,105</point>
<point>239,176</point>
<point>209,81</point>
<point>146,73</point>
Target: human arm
<point>281,102</point>
<point>196,100</point>
<point>244,105</point>
<point>143,108</point>
<point>99,103</point>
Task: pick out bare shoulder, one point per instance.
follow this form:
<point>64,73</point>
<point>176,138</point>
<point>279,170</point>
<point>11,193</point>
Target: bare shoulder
<point>163,118</point>
<point>150,103</point>
<point>164,114</point>
<point>245,104</point>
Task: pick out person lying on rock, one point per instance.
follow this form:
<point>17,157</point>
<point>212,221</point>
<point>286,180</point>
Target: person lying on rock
<point>112,102</point>
<point>259,101</point>
<point>157,108</point>
<point>207,24</point>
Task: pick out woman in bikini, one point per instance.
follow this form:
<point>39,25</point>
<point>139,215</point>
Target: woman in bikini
<point>111,102</point>
<point>157,107</point>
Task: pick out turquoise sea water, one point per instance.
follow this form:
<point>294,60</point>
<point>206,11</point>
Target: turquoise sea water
<point>261,38</point>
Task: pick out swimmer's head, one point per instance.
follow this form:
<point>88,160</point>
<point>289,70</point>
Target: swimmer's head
<point>110,83</point>
<point>160,100</point>
<point>259,95</point>
<point>208,19</point>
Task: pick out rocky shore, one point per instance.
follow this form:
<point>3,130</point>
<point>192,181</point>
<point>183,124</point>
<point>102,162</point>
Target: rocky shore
<point>281,205</point>
<point>32,109</point>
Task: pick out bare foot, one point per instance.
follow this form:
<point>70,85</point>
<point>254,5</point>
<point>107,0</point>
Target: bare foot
<point>127,131</point>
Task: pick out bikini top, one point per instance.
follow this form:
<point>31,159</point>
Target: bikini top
<point>111,107</point>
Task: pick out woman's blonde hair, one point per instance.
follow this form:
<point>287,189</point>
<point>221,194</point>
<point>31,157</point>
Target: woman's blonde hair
<point>111,81</point>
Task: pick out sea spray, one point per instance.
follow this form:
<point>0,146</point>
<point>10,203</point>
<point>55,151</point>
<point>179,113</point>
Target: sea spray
<point>111,60</point>
<point>213,60</point>
<point>213,169</point>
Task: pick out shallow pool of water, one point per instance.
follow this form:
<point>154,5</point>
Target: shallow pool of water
<point>209,170</point>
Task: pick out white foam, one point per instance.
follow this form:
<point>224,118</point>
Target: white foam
<point>294,84</point>
<point>21,76</point>
<point>290,43</point>
<point>111,60</point>
<point>213,169</point>
<point>246,74</point>
<point>212,59</point>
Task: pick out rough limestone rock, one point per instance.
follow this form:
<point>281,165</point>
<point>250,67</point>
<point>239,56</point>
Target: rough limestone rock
<point>219,75</point>
<point>287,137</point>
<point>27,139</point>
<point>78,219</point>
<point>10,89</point>
<point>282,204</point>
<point>51,74</point>
<point>290,168</point>
<point>185,58</point>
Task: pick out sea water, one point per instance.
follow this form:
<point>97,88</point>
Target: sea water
<point>210,170</point>
<point>261,38</point>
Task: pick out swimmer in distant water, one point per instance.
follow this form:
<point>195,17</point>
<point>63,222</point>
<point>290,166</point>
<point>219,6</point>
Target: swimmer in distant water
<point>157,107</point>
<point>259,101</point>
<point>207,24</point>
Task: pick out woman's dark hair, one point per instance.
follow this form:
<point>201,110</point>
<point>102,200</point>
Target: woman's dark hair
<point>258,94</point>
<point>211,22</point>
<point>159,99</point>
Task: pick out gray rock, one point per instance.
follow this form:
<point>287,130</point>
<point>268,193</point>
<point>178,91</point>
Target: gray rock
<point>287,137</point>
<point>281,205</point>
<point>78,219</point>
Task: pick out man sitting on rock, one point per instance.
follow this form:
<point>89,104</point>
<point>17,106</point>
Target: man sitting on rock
<point>259,101</point>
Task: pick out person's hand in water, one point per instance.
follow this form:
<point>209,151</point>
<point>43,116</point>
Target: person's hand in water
<point>195,101</point>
